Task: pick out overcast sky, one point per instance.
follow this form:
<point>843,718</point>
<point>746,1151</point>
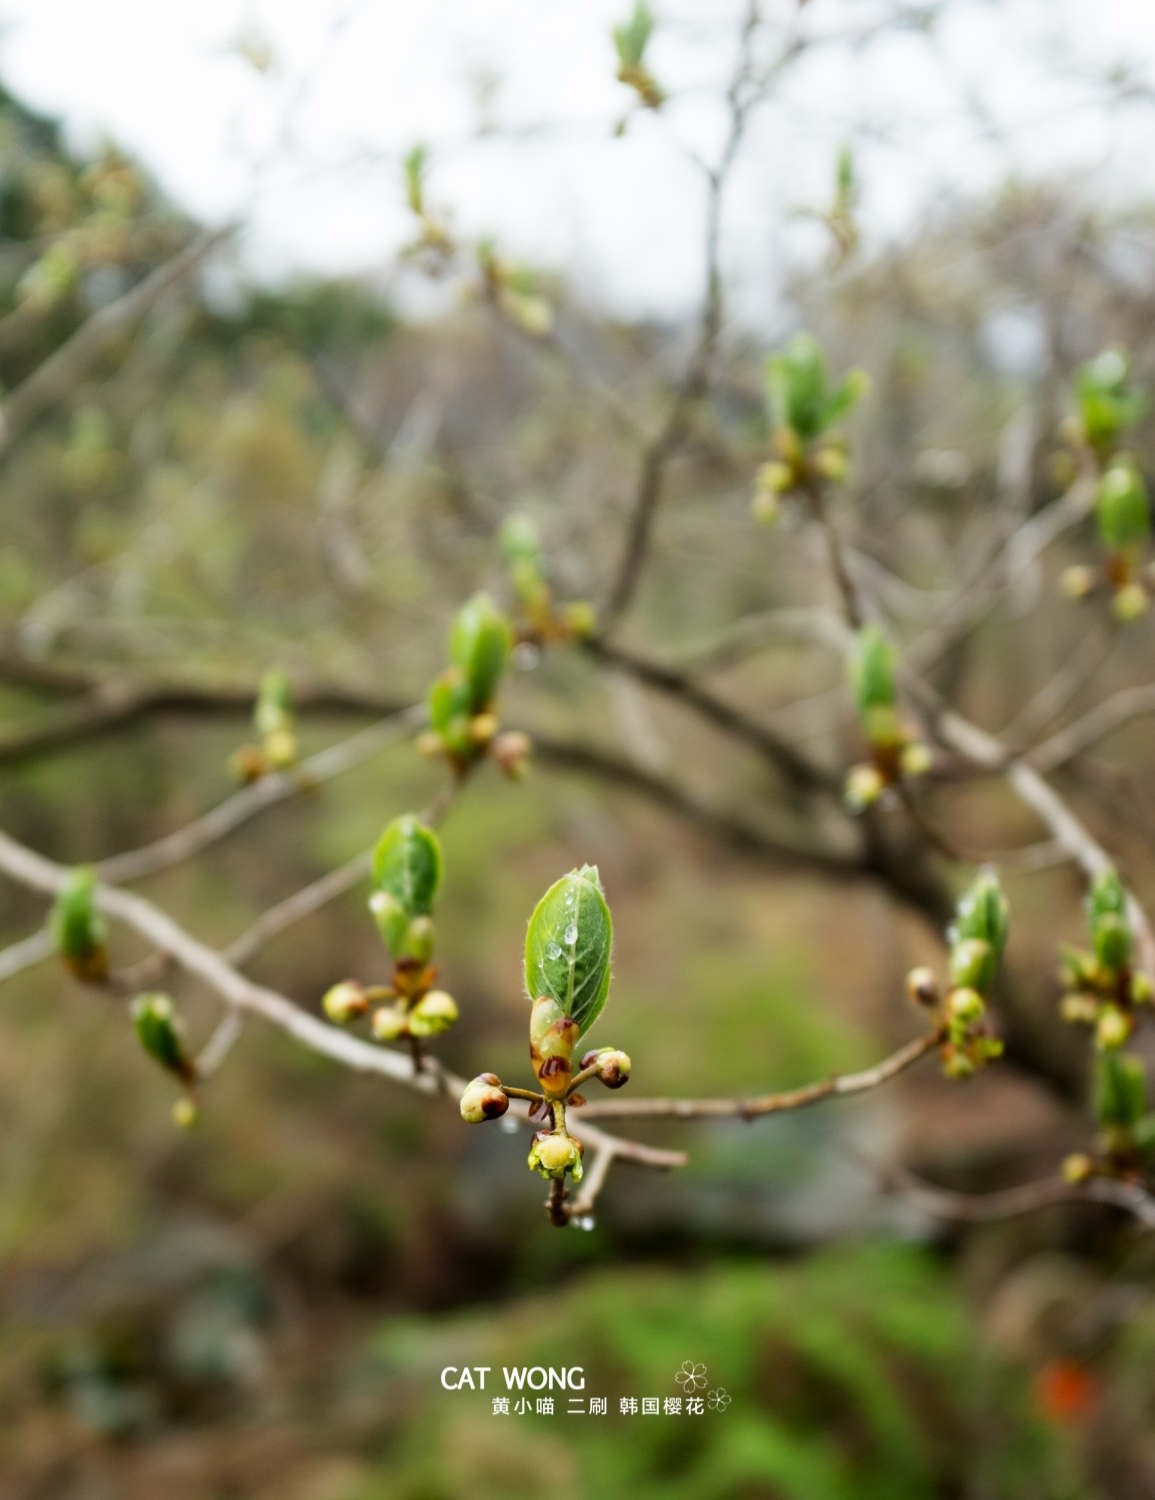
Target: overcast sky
<point>1005,84</point>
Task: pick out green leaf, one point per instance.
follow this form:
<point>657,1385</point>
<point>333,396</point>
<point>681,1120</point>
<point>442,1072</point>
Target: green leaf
<point>796,385</point>
<point>632,38</point>
<point>983,913</point>
<point>449,703</point>
<point>480,645</point>
<point>407,865</point>
<point>157,1027</point>
<point>274,707</point>
<point>1120,1088</point>
<point>79,929</point>
<point>1109,404</point>
<point>567,947</point>
<point>871,670</point>
<point>415,178</point>
<point>1122,508</point>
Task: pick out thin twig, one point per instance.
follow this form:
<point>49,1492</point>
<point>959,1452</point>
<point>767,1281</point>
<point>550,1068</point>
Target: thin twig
<point>979,1207</point>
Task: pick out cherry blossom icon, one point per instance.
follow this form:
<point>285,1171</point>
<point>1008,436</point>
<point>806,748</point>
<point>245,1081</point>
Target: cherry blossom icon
<point>718,1400</point>
<point>691,1377</point>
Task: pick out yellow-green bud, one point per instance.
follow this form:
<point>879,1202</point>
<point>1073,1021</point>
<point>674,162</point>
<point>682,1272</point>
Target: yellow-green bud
<point>554,1153</point>
<point>972,964</point>
<point>390,1022</point>
<point>916,759</point>
<point>433,1013</point>
<point>581,618</point>
<point>552,1037</point>
<point>344,1001</point>
<point>1077,582</point>
<point>1142,989</point>
<point>832,464</point>
<point>185,1113</point>
<point>965,1004</point>
<point>1078,1167</point>
<point>864,786</point>
<point>483,1099</point>
<point>765,507</point>
<point>1130,602</point>
<point>613,1066</point>
<point>956,1064</point>
<point>418,940</point>
<point>1080,1009</point>
<point>922,986</point>
<point>280,748</point>
<point>1112,1028</point>
<point>482,728</point>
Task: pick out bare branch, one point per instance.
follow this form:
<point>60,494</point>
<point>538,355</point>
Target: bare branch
<point>26,953</point>
<point>979,1207</point>
<point>299,905</point>
<point>1128,704</point>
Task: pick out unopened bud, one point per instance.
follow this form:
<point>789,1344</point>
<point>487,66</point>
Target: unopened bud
<point>1078,1167</point>
<point>552,1036</point>
<point>509,750</point>
<point>581,618</point>
<point>831,462</point>
<point>1112,938</point>
<point>554,1153</point>
<point>483,1100</point>
<point>1142,989</point>
<point>916,759</point>
<point>864,786</point>
<point>185,1113</point>
<point>922,986</point>
<point>972,964</point>
<point>1077,582</point>
<point>482,728</point>
<point>344,1001</point>
<point>418,940</point>
<point>247,763</point>
<point>433,1013</point>
<point>390,1022</point>
<point>965,1004</point>
<point>1080,1009</point>
<point>280,748</point>
<point>1130,602</point>
<point>766,507</point>
<point>613,1067</point>
<point>956,1064</point>
<point>1112,1028</point>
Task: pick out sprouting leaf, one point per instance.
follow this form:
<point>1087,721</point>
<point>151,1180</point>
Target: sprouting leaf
<point>407,865</point>
<point>158,1029</point>
<point>1120,1088</point>
<point>1108,402</point>
<point>1122,508</point>
<point>415,178</point>
<point>632,38</point>
<point>983,913</point>
<point>480,645</point>
<point>79,929</point>
<point>568,945</point>
<point>871,668</point>
<point>274,707</point>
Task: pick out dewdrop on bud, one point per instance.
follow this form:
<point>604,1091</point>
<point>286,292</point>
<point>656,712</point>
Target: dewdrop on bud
<point>483,1100</point>
<point>1112,1028</point>
<point>1078,1167</point>
<point>1077,582</point>
<point>916,759</point>
<point>1079,1009</point>
<point>185,1113</point>
<point>864,787</point>
<point>1130,602</point>
<point>344,1001</point>
<point>922,986</point>
<point>390,1022</point>
<point>965,1004</point>
<point>554,1153</point>
<point>433,1013</point>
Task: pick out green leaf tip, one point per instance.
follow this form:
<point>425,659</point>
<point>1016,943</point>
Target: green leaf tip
<point>79,929</point>
<point>407,865</point>
<point>568,947</point>
<point>480,646</point>
<point>982,914</point>
<point>159,1032</point>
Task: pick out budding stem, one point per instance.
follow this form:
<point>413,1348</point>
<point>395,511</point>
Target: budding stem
<point>555,1209</point>
<point>512,1093</point>
<point>590,1072</point>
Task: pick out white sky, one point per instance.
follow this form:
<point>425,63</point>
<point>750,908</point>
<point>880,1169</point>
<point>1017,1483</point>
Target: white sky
<point>355,82</point>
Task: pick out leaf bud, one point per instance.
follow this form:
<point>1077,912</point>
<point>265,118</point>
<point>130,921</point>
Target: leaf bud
<point>483,1100</point>
<point>1113,941</point>
<point>922,986</point>
<point>1129,603</point>
<point>916,759</point>
<point>1077,582</point>
<point>965,1004</point>
<point>554,1153</point>
<point>79,929</point>
<point>435,1012</point>
<point>972,964</point>
<point>1122,509</point>
<point>273,711</point>
<point>390,1022</point>
<point>158,1030</point>
<point>864,786</point>
<point>1112,1028</point>
<point>982,912</point>
<point>1078,1167</point>
<point>871,670</point>
<point>1120,1088</point>
<point>418,940</point>
<point>344,1001</point>
<point>1079,1009</point>
<point>392,919</point>
<point>479,646</point>
<point>1142,990</point>
<point>185,1113</point>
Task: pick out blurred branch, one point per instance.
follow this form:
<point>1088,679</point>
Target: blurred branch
<point>979,1207</point>
<point>300,904</point>
<point>24,954</point>
<point>1129,703</point>
<point>66,365</point>
<point>734,642</point>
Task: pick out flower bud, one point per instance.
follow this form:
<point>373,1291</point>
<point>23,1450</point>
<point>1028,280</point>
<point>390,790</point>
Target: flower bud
<point>433,1013</point>
<point>916,759</point>
<point>280,748</point>
<point>552,1038</point>
<point>1077,582</point>
<point>956,1064</point>
<point>247,764</point>
<point>1142,989</point>
<point>1078,1167</point>
<point>1079,1009</point>
<point>922,986</point>
<point>483,1100</point>
<point>482,728</point>
<point>972,964</point>
<point>185,1113</point>
<point>831,462</point>
<point>344,1001</point>
<point>864,786</point>
<point>431,744</point>
<point>390,1022</point>
<point>509,750</point>
<point>1129,603</point>
<point>1112,1028</point>
<point>613,1067</point>
<point>965,1004</point>
<point>581,618</point>
<point>554,1153</point>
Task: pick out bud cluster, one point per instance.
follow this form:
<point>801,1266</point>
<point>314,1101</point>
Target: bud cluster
<point>1102,988</point>
<point>895,752</point>
<point>462,700</point>
<point>977,940</point>
<point>406,874</point>
<point>541,621</point>
<point>804,408</point>
<point>80,930</point>
<point>1108,406</point>
<point>1126,1128</point>
<point>273,722</point>
<point>567,969</point>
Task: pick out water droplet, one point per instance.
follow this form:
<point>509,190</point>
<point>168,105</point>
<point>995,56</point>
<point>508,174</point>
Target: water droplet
<point>510,1124</point>
<point>584,1221</point>
<point>569,899</point>
<point>571,934</point>
<point>553,951</point>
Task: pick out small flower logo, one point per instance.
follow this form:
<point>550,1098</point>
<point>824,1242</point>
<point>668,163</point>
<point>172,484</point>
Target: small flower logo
<point>718,1400</point>
<point>691,1377</point>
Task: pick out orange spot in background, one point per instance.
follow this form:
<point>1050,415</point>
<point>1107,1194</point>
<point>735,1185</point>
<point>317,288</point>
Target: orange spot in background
<point>1064,1389</point>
